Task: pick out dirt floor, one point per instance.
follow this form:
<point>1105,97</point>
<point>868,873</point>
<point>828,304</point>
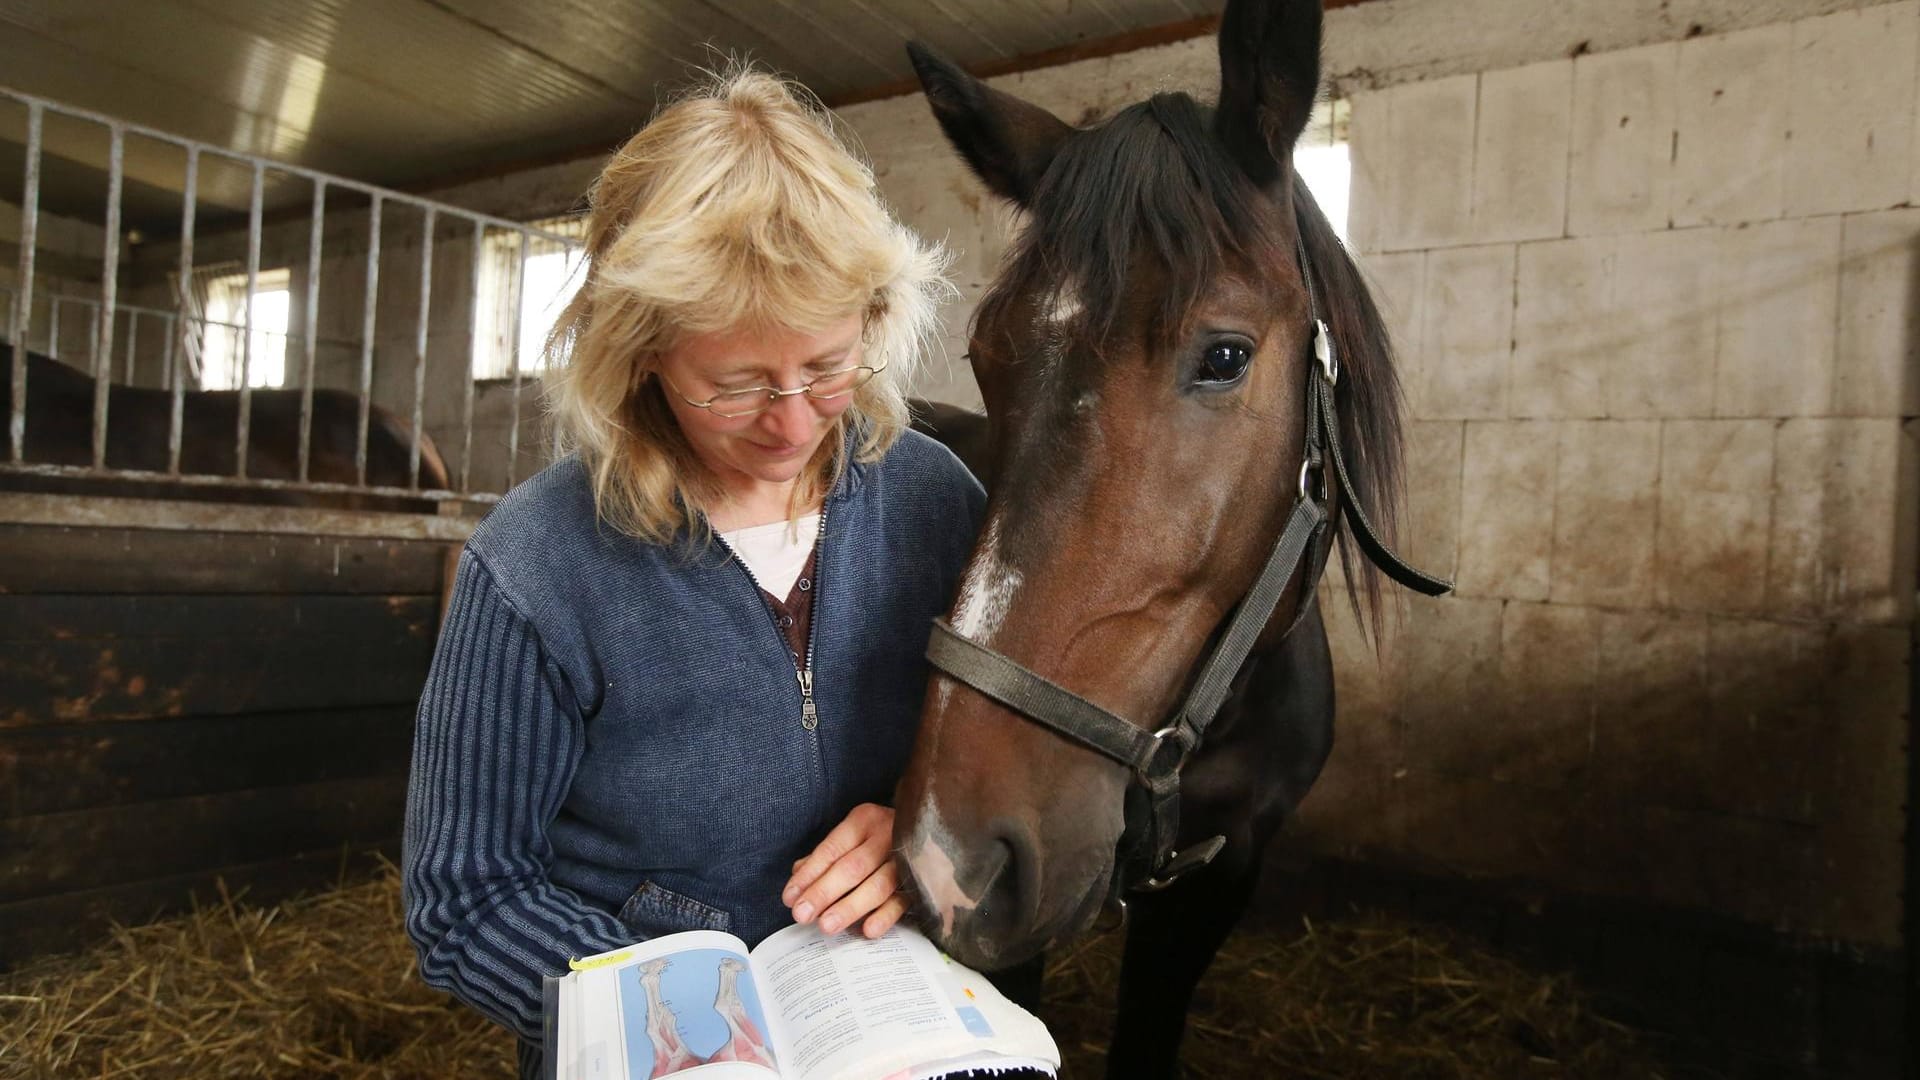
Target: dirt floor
<point>325,987</point>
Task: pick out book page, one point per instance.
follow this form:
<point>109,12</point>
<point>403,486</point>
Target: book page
<point>849,1008</point>
<point>682,1004</point>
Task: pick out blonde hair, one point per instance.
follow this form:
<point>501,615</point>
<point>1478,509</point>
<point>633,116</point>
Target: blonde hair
<point>737,207</point>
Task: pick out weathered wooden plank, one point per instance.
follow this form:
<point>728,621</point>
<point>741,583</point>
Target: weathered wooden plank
<point>55,617</point>
<point>213,674</point>
<point>62,559</point>
<point>73,921</point>
<point>53,854</point>
<point>206,489</point>
<point>45,770</point>
<point>44,508</point>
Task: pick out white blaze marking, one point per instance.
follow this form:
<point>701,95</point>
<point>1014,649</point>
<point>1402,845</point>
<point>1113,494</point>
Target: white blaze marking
<point>1066,305</point>
<point>1050,325</point>
<point>986,590</point>
<point>933,871</point>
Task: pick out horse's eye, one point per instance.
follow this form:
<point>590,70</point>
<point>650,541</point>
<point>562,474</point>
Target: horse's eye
<point>1223,363</point>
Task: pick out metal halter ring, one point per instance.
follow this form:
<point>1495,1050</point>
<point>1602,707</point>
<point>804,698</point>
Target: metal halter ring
<point>1306,470</point>
<point>1171,735</point>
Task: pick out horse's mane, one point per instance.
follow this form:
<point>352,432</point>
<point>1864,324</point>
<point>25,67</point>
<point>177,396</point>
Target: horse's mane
<point>1367,396</point>
<point>1154,182</point>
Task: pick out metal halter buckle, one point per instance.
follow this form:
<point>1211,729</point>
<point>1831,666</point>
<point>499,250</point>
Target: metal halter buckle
<point>1183,861</point>
<point>1323,352</point>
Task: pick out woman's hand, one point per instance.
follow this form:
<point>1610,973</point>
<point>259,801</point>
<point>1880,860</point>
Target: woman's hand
<point>850,876</point>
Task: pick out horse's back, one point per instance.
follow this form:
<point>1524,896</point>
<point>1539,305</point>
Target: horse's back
<point>961,430</point>
<point>59,431</point>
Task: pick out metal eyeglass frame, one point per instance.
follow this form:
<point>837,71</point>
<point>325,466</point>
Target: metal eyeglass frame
<point>774,393</point>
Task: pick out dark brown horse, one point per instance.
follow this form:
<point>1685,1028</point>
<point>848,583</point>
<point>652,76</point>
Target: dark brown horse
<point>60,431</point>
<point>1147,358</point>
<point>962,430</point>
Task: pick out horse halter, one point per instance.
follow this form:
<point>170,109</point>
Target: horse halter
<point>1149,860</point>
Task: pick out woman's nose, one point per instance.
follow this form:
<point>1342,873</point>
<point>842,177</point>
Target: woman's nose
<point>791,418</point>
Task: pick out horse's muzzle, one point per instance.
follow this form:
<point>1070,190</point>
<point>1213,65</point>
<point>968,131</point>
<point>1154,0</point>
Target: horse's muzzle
<point>1009,922</point>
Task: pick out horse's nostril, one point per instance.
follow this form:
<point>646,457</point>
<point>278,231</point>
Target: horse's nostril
<point>1010,894</point>
<point>998,870</point>
<point>1020,873</point>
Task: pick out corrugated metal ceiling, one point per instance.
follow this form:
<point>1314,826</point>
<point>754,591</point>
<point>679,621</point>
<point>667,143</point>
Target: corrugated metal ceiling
<point>401,92</point>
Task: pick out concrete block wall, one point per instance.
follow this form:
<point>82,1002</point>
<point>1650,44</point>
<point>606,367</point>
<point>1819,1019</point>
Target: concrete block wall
<point>1660,371</point>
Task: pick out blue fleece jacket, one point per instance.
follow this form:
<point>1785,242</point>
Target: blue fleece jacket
<point>609,744</point>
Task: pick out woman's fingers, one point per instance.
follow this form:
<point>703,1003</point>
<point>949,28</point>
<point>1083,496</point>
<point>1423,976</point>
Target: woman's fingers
<point>862,900</point>
<point>853,852</point>
<point>845,837</point>
<point>886,915</point>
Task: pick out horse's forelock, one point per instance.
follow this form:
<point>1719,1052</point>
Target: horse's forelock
<point>1150,183</point>
<point>1153,182</point>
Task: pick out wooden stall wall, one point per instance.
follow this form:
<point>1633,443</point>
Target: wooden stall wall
<point>185,711</point>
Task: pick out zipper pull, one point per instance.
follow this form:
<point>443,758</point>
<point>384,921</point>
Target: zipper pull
<point>809,716</point>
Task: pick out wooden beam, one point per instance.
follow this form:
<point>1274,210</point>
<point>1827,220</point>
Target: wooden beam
<point>1146,37</point>
<point>1127,41</point>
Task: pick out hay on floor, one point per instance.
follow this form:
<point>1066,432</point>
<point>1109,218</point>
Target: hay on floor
<point>326,987</point>
<point>1360,997</point>
<point>320,987</point>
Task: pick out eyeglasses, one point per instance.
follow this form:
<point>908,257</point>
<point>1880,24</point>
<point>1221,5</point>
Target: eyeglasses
<point>755,400</point>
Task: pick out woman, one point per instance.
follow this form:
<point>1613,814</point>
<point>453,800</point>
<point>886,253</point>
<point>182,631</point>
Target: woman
<point>682,668</point>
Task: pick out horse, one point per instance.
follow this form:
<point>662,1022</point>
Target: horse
<point>959,429</point>
<point>1180,362</point>
<point>59,431</point>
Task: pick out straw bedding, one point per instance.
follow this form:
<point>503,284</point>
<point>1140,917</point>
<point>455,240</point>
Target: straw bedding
<point>325,987</point>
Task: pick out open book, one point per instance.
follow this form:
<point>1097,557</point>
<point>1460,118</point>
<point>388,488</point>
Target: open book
<point>800,1006</point>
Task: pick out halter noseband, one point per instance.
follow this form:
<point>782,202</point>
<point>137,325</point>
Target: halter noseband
<point>1149,860</point>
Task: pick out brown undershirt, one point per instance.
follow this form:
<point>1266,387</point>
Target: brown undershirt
<point>794,615</point>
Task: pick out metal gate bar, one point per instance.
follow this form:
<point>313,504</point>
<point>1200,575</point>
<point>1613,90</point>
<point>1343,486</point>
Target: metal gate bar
<point>310,336</point>
<point>189,199</point>
<point>184,322</point>
<point>132,313</point>
<point>109,282</point>
<point>255,199</point>
<point>23,311</point>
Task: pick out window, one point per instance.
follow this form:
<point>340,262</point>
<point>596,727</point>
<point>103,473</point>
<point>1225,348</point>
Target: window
<point>221,356</point>
<point>552,277</point>
<point>1321,159</point>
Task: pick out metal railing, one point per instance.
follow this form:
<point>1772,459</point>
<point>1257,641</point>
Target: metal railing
<point>180,325</point>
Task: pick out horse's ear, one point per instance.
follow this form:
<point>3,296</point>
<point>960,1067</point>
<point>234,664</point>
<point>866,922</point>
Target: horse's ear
<point>1269,78</point>
<point>1008,142</point>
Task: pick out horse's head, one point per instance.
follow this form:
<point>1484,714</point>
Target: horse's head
<point>1144,358</point>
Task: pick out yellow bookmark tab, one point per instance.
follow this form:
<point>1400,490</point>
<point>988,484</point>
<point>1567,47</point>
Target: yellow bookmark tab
<point>600,961</point>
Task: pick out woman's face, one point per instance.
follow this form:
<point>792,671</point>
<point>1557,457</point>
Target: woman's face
<point>771,447</point>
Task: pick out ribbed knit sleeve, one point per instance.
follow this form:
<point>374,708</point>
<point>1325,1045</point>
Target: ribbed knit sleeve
<point>495,749</point>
